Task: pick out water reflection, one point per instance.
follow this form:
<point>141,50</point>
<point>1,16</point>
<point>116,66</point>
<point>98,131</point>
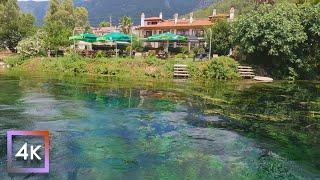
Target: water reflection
<point>171,131</point>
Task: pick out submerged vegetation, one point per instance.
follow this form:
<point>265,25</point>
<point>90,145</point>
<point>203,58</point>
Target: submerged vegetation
<point>282,118</point>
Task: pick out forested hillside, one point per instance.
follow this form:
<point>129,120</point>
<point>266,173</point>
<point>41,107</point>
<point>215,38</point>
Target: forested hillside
<point>101,10</point>
<point>241,6</point>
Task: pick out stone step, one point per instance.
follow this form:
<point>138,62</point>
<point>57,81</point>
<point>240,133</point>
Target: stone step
<point>178,74</point>
<point>180,71</point>
<point>248,75</point>
<point>178,68</point>
<point>180,65</point>
<point>244,67</point>
<point>245,70</point>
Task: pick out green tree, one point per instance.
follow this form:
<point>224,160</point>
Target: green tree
<point>14,25</point>
<point>60,21</point>
<point>220,34</point>
<point>66,13</point>
<point>104,24</point>
<point>126,24</point>
<point>56,26</point>
<point>309,51</point>
<point>271,35</point>
<point>81,17</point>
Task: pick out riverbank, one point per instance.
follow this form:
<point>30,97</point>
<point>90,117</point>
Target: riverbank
<point>139,67</point>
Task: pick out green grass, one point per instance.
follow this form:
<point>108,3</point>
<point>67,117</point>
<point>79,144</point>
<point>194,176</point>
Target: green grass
<point>138,68</point>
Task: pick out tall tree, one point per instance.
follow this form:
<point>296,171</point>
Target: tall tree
<point>270,35</point>
<point>104,24</point>
<point>126,24</point>
<point>309,51</point>
<point>81,17</point>
<point>66,13</point>
<point>53,8</point>
<point>220,34</point>
<point>14,25</point>
<point>55,25</point>
<point>60,21</point>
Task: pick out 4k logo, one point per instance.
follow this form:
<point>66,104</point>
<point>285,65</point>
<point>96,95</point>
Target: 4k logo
<point>23,152</point>
<point>28,152</point>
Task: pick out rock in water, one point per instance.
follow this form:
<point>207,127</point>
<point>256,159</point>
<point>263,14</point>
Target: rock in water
<point>263,79</point>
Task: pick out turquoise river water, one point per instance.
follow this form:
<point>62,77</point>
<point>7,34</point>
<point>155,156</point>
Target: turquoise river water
<point>102,128</point>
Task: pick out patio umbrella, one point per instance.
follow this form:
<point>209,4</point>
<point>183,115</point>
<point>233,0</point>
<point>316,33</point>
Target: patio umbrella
<point>166,37</point>
<point>115,36</point>
<point>87,37</point>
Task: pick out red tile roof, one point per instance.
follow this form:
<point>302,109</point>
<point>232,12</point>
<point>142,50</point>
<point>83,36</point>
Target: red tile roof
<point>152,18</point>
<point>181,24</point>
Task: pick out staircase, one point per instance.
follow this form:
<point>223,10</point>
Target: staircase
<point>2,64</point>
<point>246,72</point>
<point>180,71</point>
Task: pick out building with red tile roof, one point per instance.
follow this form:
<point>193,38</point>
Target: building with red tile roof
<point>191,27</point>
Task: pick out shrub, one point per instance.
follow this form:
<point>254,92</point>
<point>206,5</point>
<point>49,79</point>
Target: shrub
<point>151,60</point>
<point>222,68</point>
<point>33,45</point>
<point>70,64</point>
<point>181,55</point>
<point>152,53</point>
<point>101,69</point>
<point>16,60</point>
<point>100,54</point>
<point>184,50</point>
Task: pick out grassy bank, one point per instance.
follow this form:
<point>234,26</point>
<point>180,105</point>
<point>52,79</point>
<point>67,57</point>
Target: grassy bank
<point>150,67</point>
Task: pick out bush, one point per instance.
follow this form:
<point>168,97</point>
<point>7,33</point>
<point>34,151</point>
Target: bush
<point>151,60</point>
<point>181,55</point>
<point>69,64</point>
<point>101,69</point>
<point>100,54</point>
<point>222,68</point>
<point>33,45</point>
<point>128,49</point>
<point>184,50</point>
<point>16,60</point>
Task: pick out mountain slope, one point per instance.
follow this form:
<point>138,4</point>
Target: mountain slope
<point>101,10</point>
<point>223,6</point>
<point>37,8</point>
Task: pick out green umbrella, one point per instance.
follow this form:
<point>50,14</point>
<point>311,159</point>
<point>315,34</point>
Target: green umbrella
<point>115,36</point>
<point>87,37</point>
<point>166,37</point>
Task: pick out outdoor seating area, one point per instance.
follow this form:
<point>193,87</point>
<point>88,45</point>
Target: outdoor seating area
<point>120,45</point>
<point>111,44</point>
